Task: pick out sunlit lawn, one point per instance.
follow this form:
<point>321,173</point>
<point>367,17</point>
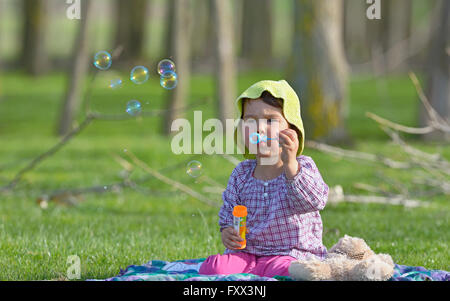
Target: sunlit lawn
<point>114,229</point>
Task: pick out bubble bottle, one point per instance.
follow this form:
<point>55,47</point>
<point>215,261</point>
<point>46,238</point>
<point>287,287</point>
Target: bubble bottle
<point>239,223</point>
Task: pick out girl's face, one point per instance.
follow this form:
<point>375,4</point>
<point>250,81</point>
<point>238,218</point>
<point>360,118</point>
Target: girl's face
<point>265,120</point>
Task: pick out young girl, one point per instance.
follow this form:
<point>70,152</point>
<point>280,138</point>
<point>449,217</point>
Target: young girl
<point>283,199</point>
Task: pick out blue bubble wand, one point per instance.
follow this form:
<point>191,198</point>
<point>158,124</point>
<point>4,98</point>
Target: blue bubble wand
<point>259,138</point>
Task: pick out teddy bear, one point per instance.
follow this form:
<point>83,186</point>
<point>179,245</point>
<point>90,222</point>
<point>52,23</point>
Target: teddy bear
<point>350,259</point>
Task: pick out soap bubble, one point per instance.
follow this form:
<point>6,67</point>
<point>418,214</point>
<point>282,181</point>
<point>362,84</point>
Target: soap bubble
<point>166,65</point>
<point>169,80</point>
<point>139,75</point>
<point>115,83</point>
<point>133,107</point>
<point>194,169</point>
<point>102,60</point>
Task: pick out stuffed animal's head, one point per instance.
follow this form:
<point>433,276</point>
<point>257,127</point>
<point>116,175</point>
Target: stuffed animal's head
<point>352,247</point>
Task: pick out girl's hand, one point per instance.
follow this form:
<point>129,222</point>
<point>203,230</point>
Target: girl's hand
<point>289,144</point>
<point>230,238</point>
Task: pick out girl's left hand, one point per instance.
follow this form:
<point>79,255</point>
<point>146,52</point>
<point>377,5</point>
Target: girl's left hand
<point>289,144</point>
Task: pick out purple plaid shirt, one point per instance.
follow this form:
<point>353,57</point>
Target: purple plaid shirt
<point>283,215</point>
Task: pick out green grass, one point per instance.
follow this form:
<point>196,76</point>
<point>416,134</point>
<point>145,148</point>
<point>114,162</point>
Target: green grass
<point>115,229</point>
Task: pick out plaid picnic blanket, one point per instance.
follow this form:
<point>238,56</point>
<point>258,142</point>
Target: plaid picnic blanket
<point>410,273</point>
<point>187,270</point>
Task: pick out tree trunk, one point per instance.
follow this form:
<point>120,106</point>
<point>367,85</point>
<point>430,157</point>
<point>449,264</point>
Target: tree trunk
<point>399,29</point>
<point>1,60</point>
<point>170,27</point>
<point>355,23</point>
<point>438,73</point>
<point>34,55</point>
<point>377,33</point>
<point>203,26</point>
<point>77,71</point>
<point>225,58</point>
<point>130,30</point>
<point>387,38</point>
<point>318,69</point>
<point>257,32</point>
<point>180,43</point>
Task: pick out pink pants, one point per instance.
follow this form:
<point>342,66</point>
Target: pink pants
<point>240,262</point>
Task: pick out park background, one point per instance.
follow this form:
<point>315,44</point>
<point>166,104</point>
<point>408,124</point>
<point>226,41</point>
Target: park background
<point>79,176</point>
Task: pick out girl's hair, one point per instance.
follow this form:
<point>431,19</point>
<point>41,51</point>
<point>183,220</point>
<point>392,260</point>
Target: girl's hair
<point>267,98</point>
<point>271,100</point>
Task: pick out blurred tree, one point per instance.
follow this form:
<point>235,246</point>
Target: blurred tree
<point>33,54</point>
<point>438,72</point>
<point>77,71</point>
<point>388,37</point>
<point>257,32</point>
<point>225,58</point>
<point>396,33</point>
<point>169,27</point>
<point>318,69</point>
<point>1,61</point>
<point>204,35</point>
<point>376,33</point>
<point>355,39</point>
<point>130,29</point>
<point>1,16</point>
<point>180,50</point>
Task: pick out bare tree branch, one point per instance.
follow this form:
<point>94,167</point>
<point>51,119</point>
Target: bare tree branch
<point>336,195</point>
<point>400,127</point>
<point>47,154</point>
<point>436,120</point>
<point>74,132</point>
<point>357,155</point>
<point>171,182</point>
